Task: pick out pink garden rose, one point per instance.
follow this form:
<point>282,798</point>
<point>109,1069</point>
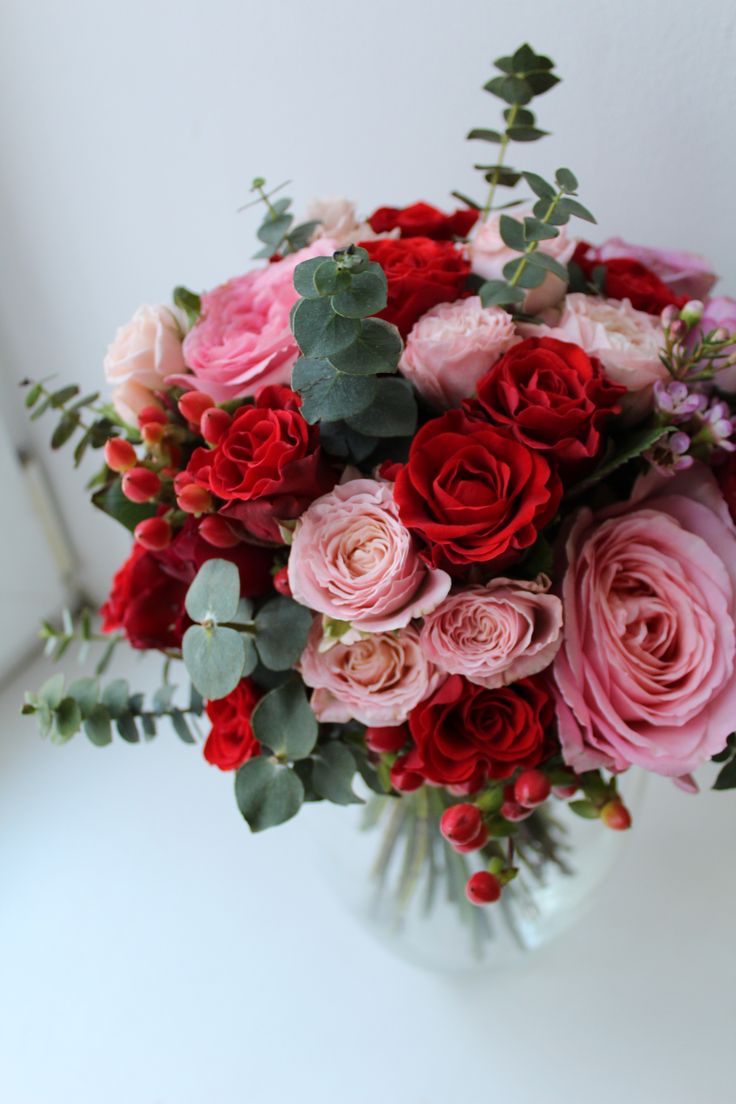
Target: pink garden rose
<point>377,680</point>
<point>338,221</point>
<point>495,634</point>
<point>646,674</point>
<point>352,560</point>
<point>683,273</point>
<point>452,346</point>
<point>489,254</point>
<point>242,340</point>
<point>141,356</point>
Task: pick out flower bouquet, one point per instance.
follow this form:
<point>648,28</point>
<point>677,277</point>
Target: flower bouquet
<point>435,505</point>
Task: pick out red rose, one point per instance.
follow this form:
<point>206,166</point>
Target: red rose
<point>473,493</point>
<point>268,465</point>
<point>464,734</point>
<point>421,220</point>
<point>421,273</point>
<point>626,278</point>
<point>188,551</point>
<point>231,741</point>
<point>146,602</point>
<point>552,396</point>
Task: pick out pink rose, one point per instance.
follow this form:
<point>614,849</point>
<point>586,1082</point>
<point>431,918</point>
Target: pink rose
<point>242,340</point>
<point>339,221</point>
<point>376,680</point>
<point>684,273</point>
<point>489,254</point>
<point>141,356</point>
<point>352,560</point>
<point>495,634</point>
<point>646,670</point>
<point>452,346</point>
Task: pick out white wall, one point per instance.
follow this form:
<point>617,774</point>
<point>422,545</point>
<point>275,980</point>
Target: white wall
<point>130,132</point>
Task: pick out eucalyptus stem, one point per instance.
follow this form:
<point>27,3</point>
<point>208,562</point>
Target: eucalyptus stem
<point>533,245</point>
<point>513,111</point>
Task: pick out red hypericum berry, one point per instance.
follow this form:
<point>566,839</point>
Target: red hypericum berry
<point>119,454</point>
<point>213,424</point>
<point>531,788</point>
<point>614,814</point>
<point>140,484</point>
<point>153,534</point>
<point>482,888</point>
<point>193,405</point>
<point>511,810</point>
<point>475,844</point>
<point>194,499</point>
<point>151,414</point>
<point>281,582</point>
<point>563,792</point>
<point>461,823</point>
<point>152,432</point>
<point>216,531</point>
<point>386,739</point>
<point>404,780</point>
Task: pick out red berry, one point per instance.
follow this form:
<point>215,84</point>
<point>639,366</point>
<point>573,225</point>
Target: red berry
<point>405,780</point>
<point>281,582</point>
<point>152,414</point>
<point>140,484</point>
<point>614,814</point>
<point>193,405</point>
<point>213,424</point>
<point>531,788</point>
<point>511,810</point>
<point>194,499</point>
<point>461,823</point>
<point>386,739</point>
<point>475,844</point>
<point>119,454</point>
<point>152,432</point>
<point>482,888</point>
<point>563,792</point>
<point>216,531</point>
<point>153,534</point>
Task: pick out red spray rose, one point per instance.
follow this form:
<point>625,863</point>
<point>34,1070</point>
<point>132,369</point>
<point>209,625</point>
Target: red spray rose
<point>552,396</point>
<point>231,741</point>
<point>626,278</point>
<point>146,602</point>
<point>421,273</point>
<point>421,220</point>
<point>473,493</point>
<point>464,734</point>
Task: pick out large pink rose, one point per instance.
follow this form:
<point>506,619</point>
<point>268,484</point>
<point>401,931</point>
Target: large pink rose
<point>242,339</point>
<point>353,560</point>
<point>495,634</point>
<point>452,346</point>
<point>144,352</point>
<point>376,680</point>
<point>684,273</point>
<point>646,670</point>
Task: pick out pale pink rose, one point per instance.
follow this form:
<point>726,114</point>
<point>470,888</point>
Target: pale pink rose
<point>646,670</point>
<point>452,346</point>
<point>242,340</point>
<point>142,354</point>
<point>353,560</point>
<point>489,254</point>
<point>338,221</point>
<point>497,633</point>
<point>684,273</point>
<point>377,680</point>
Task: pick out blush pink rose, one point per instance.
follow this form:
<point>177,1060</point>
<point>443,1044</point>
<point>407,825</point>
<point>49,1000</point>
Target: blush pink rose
<point>143,353</point>
<point>242,340</point>
<point>352,560</point>
<point>489,253</point>
<point>338,221</point>
<point>683,273</point>
<point>645,675</point>
<point>376,680</point>
<point>495,634</point>
<point>452,346</point>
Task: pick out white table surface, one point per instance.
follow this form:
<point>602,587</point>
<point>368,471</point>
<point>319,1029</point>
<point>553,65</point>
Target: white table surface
<point>152,951</point>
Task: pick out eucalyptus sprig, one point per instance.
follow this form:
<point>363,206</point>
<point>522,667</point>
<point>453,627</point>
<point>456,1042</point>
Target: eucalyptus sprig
<point>96,422</point>
<point>78,630</point>
<point>277,231</point>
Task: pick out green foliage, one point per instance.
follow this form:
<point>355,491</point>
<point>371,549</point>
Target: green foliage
<point>189,302</point>
<point>73,418</point>
<point>277,231</point>
<point>214,594</point>
<point>284,723</point>
<point>268,793</point>
<point>333,773</point>
<point>281,630</point>
<point>726,779</point>
<point>216,659</point>
<point>625,448</point>
<point>111,500</point>
<point>80,631</point>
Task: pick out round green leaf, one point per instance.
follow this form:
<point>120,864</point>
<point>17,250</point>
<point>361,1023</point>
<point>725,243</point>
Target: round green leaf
<point>282,626</point>
<point>376,349</point>
<point>97,726</point>
<point>332,774</point>
<point>327,394</point>
<point>215,593</point>
<point>365,295</point>
<point>267,793</point>
<point>284,722</point>
<point>214,658</point>
<point>67,721</point>
<point>318,331</point>
<point>304,274</point>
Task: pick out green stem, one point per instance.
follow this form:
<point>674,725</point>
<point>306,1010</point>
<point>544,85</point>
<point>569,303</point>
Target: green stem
<point>534,245</point>
<point>501,155</point>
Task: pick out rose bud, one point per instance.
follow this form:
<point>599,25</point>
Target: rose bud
<point>213,424</point>
<point>531,788</point>
<point>119,454</point>
<point>152,414</point>
<point>511,810</point>
<point>386,739</point>
<point>482,888</point>
<point>404,780</point>
<point>140,484</point>
<point>153,534</point>
<point>194,499</point>
<point>614,814</point>
<point>474,844</point>
<point>216,531</point>
<point>281,583</point>
<point>461,823</point>
<point>193,405</point>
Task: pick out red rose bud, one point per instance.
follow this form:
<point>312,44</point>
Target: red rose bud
<point>140,484</point>
<point>482,888</point>
<point>281,586</point>
<point>213,424</point>
<point>511,810</point>
<point>614,814</point>
<point>216,531</point>
<point>194,499</point>
<point>193,405</point>
<point>564,792</point>
<point>153,534</point>
<point>404,780</point>
<point>386,739</point>
<point>474,844</point>
<point>119,454</point>
<point>531,788</point>
<point>151,414</point>
<point>461,823</point>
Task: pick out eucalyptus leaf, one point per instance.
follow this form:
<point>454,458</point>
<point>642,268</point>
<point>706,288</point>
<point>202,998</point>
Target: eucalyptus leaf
<point>497,293</point>
<point>566,180</point>
<point>304,275</point>
<point>128,729</point>
<point>512,233</point>
<point>366,294</point>
<point>484,135</point>
<point>393,412</point>
<point>318,331</point>
<point>726,779</point>
<point>328,394</point>
<point>97,726</point>
<point>85,692</point>
<point>539,185</point>
<point>282,627</point>
<point>284,722</point>
<point>332,774</point>
<point>112,501</point>
<point>215,592</point>
<point>181,728</point>
<point>67,720</point>
<point>376,349</point>
<point>267,793</point>
<point>214,658</point>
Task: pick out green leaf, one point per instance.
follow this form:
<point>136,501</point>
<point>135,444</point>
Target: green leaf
<point>512,233</point>
<point>466,200</point>
<point>128,729</point>
<point>97,726</point>
<point>539,185</point>
<point>627,448</point>
<point>530,276</point>
<point>332,774</point>
<point>181,728</point>
<point>329,278</point>
<point>215,593</point>
<point>497,293</point>
<point>189,302</point>
<point>318,331</point>
<point>267,793</point>
<point>214,658</point>
<point>572,207</point>
<point>520,116</point>
<point>512,89</point>
<point>112,501</point>
<point>484,135</point>
<point>148,724</point>
<point>52,691</point>
<point>283,721</point>
<point>393,412</point>
<point>327,394</point>
<point>534,230</point>
<point>85,692</point>
<point>65,429</point>
<point>67,721</point>
<point>63,395</point>
<point>33,395</point>
<point>566,180</point>
<point>42,407</point>
<point>549,264</point>
<point>273,230</point>
<point>584,809</point>
<point>300,236</point>
<point>726,779</point>
<point>282,627</point>
<point>365,296</point>
<point>377,348</point>
<point>526,133</point>
<point>541,82</point>
<point>555,216</point>
<point>115,697</point>
<point>304,275</point>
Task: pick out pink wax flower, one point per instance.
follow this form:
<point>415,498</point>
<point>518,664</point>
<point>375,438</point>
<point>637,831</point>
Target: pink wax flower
<point>646,673</point>
<point>684,273</point>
